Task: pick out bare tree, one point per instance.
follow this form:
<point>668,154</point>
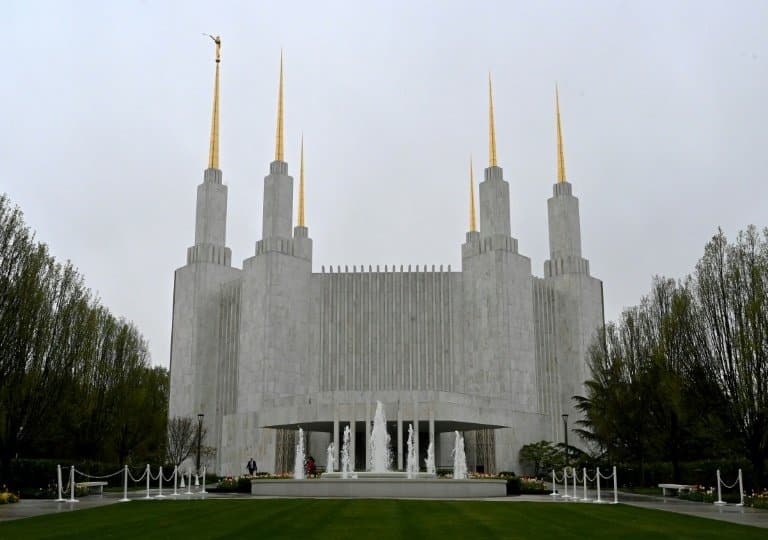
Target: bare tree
<point>182,439</point>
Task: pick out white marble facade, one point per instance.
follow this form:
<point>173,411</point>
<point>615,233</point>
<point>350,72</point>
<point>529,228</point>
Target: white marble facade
<point>275,345</point>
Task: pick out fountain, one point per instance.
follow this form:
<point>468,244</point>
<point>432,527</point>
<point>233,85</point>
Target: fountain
<point>430,461</point>
<point>298,466</point>
<point>411,461</point>
<point>345,464</point>
<point>459,459</point>
<point>379,480</point>
<point>379,442</point>
<point>330,463</point>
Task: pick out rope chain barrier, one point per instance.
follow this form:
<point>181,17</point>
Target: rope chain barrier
<point>139,479</point>
<point>146,474</point>
<point>739,482</point>
<point>86,475</point>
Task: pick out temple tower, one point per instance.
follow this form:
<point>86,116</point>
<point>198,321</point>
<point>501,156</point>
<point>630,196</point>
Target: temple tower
<point>194,336</point>
<point>274,308</point>
<point>578,296</point>
<point>498,356</point>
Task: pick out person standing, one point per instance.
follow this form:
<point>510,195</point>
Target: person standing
<point>251,466</point>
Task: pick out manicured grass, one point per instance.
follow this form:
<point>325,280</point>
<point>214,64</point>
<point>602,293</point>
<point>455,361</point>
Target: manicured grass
<point>360,519</point>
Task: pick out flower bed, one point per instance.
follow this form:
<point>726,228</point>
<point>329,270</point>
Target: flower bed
<point>236,484</point>
<point>709,495</point>
<point>533,486</point>
<point>757,500</point>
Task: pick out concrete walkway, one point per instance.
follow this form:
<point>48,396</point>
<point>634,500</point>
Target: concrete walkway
<point>730,513</point>
<point>38,507</point>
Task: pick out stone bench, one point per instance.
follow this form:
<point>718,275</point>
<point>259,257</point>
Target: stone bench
<point>90,485</point>
<point>677,487</point>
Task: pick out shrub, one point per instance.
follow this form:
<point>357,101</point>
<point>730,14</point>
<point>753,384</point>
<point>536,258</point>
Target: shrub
<point>237,484</point>
<point>699,496</point>
<point>533,486</point>
<point>514,485</point>
<point>757,500</point>
<point>708,495</point>
<point>6,497</point>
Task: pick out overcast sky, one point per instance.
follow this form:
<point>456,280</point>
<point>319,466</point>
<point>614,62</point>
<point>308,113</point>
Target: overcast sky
<point>106,110</point>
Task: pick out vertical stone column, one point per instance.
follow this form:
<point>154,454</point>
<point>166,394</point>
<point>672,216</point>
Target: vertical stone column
<point>352,431</point>
<point>399,437</point>
<point>416,427</point>
<point>336,436</point>
<point>432,425</point>
<point>367,441</point>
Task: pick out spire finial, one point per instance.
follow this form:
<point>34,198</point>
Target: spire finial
<point>560,157</point>
<point>301,185</point>
<point>213,150</point>
<point>472,225</point>
<point>491,126</point>
<point>279,148</point>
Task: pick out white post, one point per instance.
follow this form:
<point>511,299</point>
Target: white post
<point>72,485</point>
<point>175,481</point>
<point>584,478</point>
<point>147,497</point>
<point>565,483</point>
<point>58,476</point>
<point>160,486</point>
<point>741,490</point>
<point>125,485</point>
<point>615,486</point>
<point>203,484</point>
<point>189,484</point>
<point>554,487</point>
<point>719,500</point>
<point>597,479</point>
<point>575,497</point>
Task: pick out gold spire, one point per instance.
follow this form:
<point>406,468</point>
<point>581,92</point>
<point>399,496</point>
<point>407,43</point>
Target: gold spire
<point>213,151</point>
<point>560,158</point>
<point>491,127</point>
<point>472,226</point>
<point>301,185</point>
<point>279,151</point>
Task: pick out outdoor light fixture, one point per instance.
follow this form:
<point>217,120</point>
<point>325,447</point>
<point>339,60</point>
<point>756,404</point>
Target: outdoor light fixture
<point>565,429</point>
<point>199,438</point>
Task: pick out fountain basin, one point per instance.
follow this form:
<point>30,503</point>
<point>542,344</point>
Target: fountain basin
<point>381,487</point>
<point>374,474</point>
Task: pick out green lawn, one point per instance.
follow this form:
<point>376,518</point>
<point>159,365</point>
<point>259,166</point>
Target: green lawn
<point>379,519</point>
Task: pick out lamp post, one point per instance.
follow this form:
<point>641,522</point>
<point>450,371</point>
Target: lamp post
<point>565,430</point>
<point>199,438</point>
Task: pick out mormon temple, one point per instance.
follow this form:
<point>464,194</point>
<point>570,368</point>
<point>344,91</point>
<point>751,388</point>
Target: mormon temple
<point>490,349</point>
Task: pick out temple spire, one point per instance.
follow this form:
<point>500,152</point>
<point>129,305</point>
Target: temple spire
<point>279,148</point>
<point>472,224</point>
<point>560,157</point>
<point>301,185</point>
<point>491,127</point>
<point>213,150</point>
